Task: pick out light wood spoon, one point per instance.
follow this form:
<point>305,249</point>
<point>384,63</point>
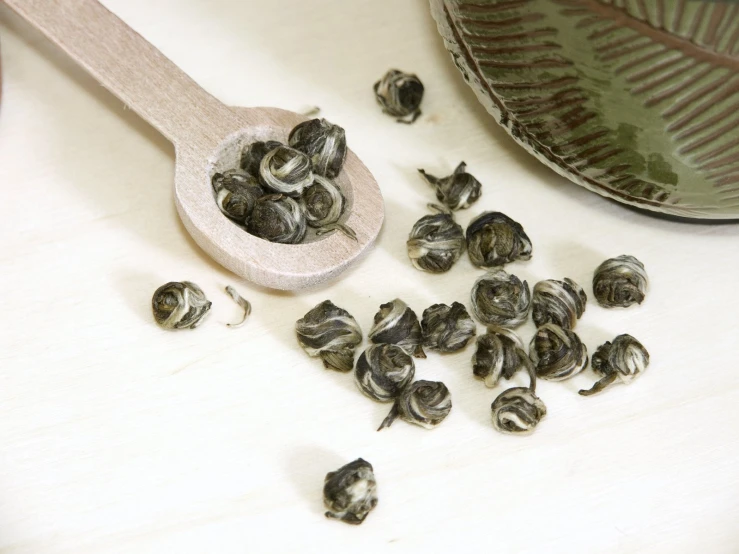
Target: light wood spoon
<point>208,137</point>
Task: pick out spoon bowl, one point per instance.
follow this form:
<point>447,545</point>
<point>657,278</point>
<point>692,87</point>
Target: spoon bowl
<point>208,137</point>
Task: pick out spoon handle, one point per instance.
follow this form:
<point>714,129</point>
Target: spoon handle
<point>128,66</point>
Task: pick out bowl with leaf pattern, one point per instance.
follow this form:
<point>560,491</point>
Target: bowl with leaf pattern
<point>637,100</point>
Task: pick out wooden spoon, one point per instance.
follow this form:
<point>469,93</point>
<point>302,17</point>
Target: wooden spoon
<point>208,137</point>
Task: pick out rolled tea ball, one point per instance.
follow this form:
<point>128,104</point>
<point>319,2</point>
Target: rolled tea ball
<point>501,299</point>
<point>331,333</point>
<point>558,302</point>
<point>236,193</point>
<point>286,170</point>
<point>517,411</point>
<point>494,239</point>
<point>396,323</point>
<point>557,353</point>
<point>624,359</point>
<point>350,492</point>
<point>400,95</point>
<point>323,142</point>
<point>499,354</point>
<point>179,305</point>
<point>383,371</point>
<point>447,328</point>
<point>457,191</point>
<point>277,218</point>
<point>620,281</point>
<point>323,202</point>
<point>253,154</point>
<point>424,403</point>
<point>436,242</point>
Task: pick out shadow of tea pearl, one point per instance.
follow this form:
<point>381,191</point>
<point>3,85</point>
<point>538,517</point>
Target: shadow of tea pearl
<point>350,492</point>
<point>179,305</point>
<point>236,193</point>
<point>323,142</point>
<point>331,333</point>
<point>557,353</point>
<point>447,328</point>
<point>396,323</point>
<point>624,360</point>
<point>501,299</point>
<point>494,239</point>
<point>499,354</point>
<point>517,411</point>
<point>457,191</point>
<point>277,218</point>
<point>383,371</point>
<point>423,403</point>
<point>253,154</point>
<point>558,302</point>
<point>400,95</point>
<point>620,282</point>
<point>286,170</point>
<point>436,242</point>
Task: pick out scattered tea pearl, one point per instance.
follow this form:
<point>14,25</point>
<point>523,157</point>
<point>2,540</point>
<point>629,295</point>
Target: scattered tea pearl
<point>400,95</point>
<point>557,353</point>
<point>624,359</point>
<point>383,371</point>
<point>620,282</point>
<point>457,191</point>
<point>331,333</point>
<point>423,403</point>
<point>350,492</point>
<point>501,299</point>
<point>179,305</point>
<point>558,302</point>
<point>494,239</point>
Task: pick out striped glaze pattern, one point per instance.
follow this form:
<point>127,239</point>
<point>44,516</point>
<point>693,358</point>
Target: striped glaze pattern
<point>637,100</point>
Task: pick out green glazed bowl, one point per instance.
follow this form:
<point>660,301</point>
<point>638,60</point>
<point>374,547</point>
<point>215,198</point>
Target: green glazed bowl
<point>637,100</point>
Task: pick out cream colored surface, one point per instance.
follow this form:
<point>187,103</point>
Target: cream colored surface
<point>116,436</point>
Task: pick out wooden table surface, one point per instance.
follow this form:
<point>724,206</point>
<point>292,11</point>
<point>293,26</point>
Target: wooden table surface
<point>117,436</point>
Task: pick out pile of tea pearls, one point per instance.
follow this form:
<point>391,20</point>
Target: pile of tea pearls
<point>502,302</point>
<point>280,190</point>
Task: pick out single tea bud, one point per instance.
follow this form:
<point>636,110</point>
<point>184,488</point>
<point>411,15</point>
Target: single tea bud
<point>383,371</point>
<point>620,282</point>
<point>323,142</point>
<point>331,333</point>
<point>277,218</point>
<point>494,239</point>
<point>557,353</point>
<point>400,95</point>
<point>179,305</point>
<point>447,328</point>
<point>457,191</point>
<point>624,359</point>
<point>436,242</point>
<point>558,302</point>
<point>501,299</point>
<point>423,403</point>
<point>350,492</point>
<point>396,323</point>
